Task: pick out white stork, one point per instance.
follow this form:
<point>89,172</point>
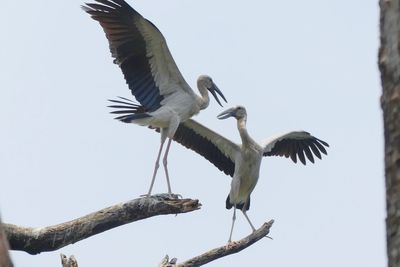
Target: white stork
<point>242,162</point>
<point>141,52</point>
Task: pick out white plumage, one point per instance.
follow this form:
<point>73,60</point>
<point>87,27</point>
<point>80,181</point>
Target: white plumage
<point>243,161</point>
<point>141,52</point>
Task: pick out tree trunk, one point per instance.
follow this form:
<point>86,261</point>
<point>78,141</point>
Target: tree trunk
<point>389,65</point>
<point>5,260</point>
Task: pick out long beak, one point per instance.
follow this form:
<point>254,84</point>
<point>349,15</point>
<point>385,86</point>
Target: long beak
<point>227,113</point>
<point>214,89</point>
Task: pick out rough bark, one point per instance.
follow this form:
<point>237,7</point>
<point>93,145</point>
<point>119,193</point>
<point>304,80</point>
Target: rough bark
<point>389,64</point>
<point>220,252</point>
<point>36,240</point>
<point>5,260</point>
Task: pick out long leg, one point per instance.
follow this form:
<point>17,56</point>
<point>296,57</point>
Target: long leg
<point>233,222</point>
<point>156,166</point>
<point>165,165</point>
<point>247,217</point>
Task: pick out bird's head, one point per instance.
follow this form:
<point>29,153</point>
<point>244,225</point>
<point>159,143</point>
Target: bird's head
<point>238,112</point>
<point>205,81</point>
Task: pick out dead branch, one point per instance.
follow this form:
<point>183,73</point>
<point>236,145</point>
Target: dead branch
<point>166,262</point>
<point>36,240</point>
<point>223,251</point>
<point>68,262</point>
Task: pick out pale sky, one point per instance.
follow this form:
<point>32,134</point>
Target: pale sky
<point>307,65</point>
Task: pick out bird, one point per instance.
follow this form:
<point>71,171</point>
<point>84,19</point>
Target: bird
<point>243,161</point>
<point>141,51</point>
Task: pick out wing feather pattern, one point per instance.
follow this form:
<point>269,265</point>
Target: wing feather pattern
<point>209,144</point>
<point>295,145</point>
<point>140,50</point>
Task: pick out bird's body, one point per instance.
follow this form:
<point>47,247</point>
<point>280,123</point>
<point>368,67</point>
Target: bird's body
<point>247,169</point>
<point>174,109</point>
<point>141,52</point>
<point>243,161</point>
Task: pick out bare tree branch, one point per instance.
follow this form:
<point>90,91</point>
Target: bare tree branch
<point>221,251</point>
<point>5,260</point>
<point>36,240</point>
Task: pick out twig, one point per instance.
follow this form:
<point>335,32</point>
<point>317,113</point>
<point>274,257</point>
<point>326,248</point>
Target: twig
<point>221,251</point>
<point>36,240</point>
<point>166,262</point>
<point>68,262</point>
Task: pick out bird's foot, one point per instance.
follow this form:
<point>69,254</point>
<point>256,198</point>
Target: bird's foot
<point>172,195</point>
<point>164,196</point>
<point>176,196</point>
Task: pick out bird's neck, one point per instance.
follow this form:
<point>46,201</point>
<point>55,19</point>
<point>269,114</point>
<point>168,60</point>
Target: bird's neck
<point>241,124</point>
<point>204,100</point>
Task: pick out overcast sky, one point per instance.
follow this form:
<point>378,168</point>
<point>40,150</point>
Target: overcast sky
<point>307,65</point>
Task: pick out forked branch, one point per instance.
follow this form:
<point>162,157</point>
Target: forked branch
<point>221,251</point>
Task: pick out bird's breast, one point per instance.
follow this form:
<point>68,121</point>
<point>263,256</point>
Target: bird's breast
<point>247,169</point>
<point>183,104</point>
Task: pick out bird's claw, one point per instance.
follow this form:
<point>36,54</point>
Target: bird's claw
<point>164,196</point>
<point>172,195</point>
<point>177,196</point>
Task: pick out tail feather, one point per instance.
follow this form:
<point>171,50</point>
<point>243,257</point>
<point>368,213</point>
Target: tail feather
<point>130,110</point>
<point>132,117</point>
<point>228,203</point>
<point>239,206</point>
<point>121,111</point>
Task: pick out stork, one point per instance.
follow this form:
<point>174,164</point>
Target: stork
<point>151,73</point>
<point>243,161</point>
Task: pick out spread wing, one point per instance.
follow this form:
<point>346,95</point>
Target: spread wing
<point>295,144</point>
<point>217,149</point>
<point>141,52</point>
